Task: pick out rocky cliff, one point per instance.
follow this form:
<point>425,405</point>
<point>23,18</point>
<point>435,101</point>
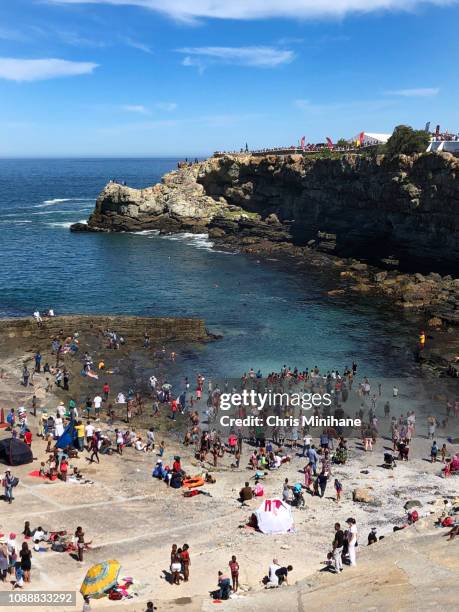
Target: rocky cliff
<point>407,207</point>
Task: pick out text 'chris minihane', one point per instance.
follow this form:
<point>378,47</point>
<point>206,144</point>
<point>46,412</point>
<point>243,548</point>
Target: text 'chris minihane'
<point>270,399</point>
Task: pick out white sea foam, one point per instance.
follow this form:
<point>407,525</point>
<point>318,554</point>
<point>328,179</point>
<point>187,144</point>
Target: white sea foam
<point>55,201</point>
<point>152,232</point>
<point>64,224</point>
<point>200,241</point>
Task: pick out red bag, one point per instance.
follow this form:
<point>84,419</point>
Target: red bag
<point>115,595</point>
<point>447,521</point>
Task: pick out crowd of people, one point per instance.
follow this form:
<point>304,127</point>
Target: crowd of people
<point>102,425</point>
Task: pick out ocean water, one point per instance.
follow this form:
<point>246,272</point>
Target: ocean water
<point>269,313</point>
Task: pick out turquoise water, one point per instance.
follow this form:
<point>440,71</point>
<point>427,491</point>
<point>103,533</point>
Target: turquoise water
<point>268,314</point>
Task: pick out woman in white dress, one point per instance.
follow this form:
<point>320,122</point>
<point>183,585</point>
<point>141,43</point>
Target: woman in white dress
<point>59,426</point>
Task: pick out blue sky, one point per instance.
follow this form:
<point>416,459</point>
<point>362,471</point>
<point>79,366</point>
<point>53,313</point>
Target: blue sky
<point>187,77</point>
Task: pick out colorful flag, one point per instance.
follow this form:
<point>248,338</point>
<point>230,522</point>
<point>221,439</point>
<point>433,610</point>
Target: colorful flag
<point>329,143</point>
<point>361,137</point>
<point>302,141</point>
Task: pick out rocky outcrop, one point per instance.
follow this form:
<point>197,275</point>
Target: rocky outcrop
<point>178,203</point>
<point>407,207</point>
<point>401,212</point>
<point>372,209</point>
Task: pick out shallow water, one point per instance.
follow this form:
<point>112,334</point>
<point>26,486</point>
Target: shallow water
<point>268,313</point>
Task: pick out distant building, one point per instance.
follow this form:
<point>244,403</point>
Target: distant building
<point>448,146</point>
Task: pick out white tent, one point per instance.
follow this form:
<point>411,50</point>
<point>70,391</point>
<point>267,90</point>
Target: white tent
<point>375,138</point>
<point>274,516</point>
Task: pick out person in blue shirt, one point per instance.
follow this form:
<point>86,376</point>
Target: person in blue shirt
<point>313,458</point>
<point>434,452</point>
<point>37,361</point>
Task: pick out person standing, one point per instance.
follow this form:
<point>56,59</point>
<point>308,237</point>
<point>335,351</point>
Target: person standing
<point>88,406</point>
<point>431,427</point>
<point>94,449</point>
<point>338,543</point>
<point>313,458</point>
<point>38,362</point>
<point>79,428</point>
<point>8,483</point>
<point>352,540</point>
<point>234,568</point>
<point>66,378</point>
<point>25,376</point>
<point>12,552</point>
<point>338,489</point>
<point>176,564</point>
<point>434,452</point>
<point>185,559</point>
<point>307,439</point>
<point>97,404</point>
<point>34,405</point>
<point>3,560</point>
<point>26,561</point>
<point>322,480</point>
<point>79,538</point>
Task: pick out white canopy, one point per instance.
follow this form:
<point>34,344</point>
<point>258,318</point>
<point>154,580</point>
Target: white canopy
<point>376,137</point>
<point>274,516</point>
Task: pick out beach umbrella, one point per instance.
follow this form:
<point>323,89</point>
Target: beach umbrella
<point>100,578</point>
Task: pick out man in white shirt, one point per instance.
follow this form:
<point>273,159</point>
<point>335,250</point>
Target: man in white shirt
<point>273,579</point>
<point>89,431</point>
<point>307,440</point>
<point>352,539</point>
<point>97,404</point>
<point>150,439</point>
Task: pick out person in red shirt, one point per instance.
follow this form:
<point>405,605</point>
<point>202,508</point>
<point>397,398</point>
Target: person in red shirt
<point>174,409</point>
<point>185,559</point>
<point>64,468</point>
<point>28,438</point>
<point>177,466</point>
<point>106,390</point>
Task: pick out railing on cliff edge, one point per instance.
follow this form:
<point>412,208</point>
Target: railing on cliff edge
<point>294,151</point>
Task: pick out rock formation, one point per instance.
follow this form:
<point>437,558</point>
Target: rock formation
<point>178,203</point>
<point>407,207</point>
<point>401,212</point>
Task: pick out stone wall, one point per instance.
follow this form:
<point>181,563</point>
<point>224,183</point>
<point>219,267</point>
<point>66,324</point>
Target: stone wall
<point>159,329</point>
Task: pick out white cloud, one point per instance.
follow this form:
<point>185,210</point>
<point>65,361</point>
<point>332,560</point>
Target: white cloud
<point>13,69</point>
<point>75,39</point>
<point>12,35</point>
<point>136,44</point>
<point>260,57</point>
<point>166,106</point>
<point>421,92</point>
<point>351,107</point>
<point>192,10</point>
<point>135,108</point>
